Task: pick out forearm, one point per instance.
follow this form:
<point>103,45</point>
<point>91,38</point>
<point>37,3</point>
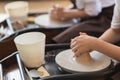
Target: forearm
<point>75,14</point>
<point>111,35</point>
<point>107,49</point>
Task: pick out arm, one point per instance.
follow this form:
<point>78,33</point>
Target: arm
<point>75,13</point>
<point>111,35</point>
<point>111,50</point>
<point>59,13</point>
<point>107,48</point>
<point>84,43</point>
<point>85,9</point>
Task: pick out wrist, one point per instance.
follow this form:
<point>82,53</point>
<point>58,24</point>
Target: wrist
<point>97,44</point>
<point>94,43</point>
<point>63,16</point>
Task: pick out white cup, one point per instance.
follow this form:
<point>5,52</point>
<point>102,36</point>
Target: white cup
<point>31,47</point>
<point>18,12</point>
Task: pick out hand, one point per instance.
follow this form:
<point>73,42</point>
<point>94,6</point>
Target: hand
<point>56,13</point>
<point>82,44</point>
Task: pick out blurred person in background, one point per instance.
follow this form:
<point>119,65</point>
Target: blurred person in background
<point>95,17</point>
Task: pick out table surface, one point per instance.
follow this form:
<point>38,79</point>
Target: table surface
<point>13,73</point>
<point>11,70</point>
<point>39,6</point>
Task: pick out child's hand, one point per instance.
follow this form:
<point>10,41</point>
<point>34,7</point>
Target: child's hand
<point>56,13</point>
<point>82,44</point>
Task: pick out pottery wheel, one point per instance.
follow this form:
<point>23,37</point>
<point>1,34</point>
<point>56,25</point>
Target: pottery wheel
<point>68,63</point>
<point>44,21</point>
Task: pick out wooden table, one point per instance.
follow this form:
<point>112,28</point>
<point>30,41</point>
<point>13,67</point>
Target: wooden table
<point>39,6</point>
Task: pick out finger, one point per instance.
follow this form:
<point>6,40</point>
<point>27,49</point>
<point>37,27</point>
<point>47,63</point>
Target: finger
<point>72,40</point>
<point>73,44</point>
<point>77,53</point>
<point>82,33</point>
<point>54,6</point>
<point>75,48</point>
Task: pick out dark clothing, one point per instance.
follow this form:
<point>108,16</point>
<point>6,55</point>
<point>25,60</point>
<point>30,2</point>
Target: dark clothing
<point>94,26</point>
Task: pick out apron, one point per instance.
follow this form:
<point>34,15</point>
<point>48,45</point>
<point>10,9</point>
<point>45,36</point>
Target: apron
<point>94,26</point>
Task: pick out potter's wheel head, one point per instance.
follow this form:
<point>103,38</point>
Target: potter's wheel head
<point>68,63</point>
<point>45,22</point>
